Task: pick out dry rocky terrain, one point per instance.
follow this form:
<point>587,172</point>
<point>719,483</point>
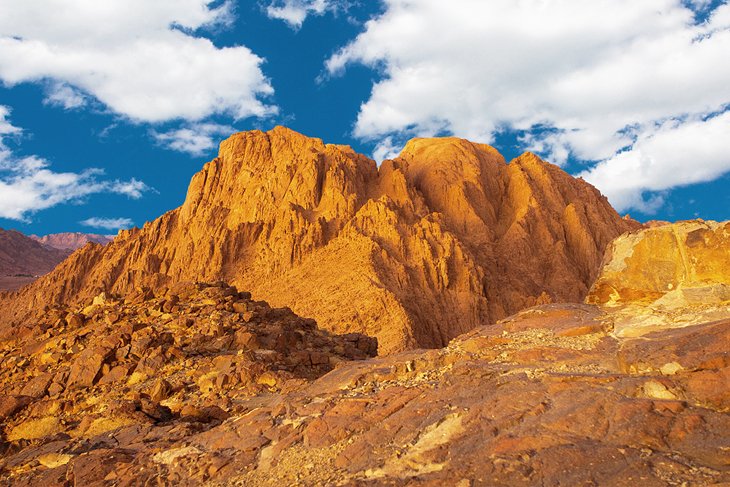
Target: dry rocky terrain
<point>200,385</point>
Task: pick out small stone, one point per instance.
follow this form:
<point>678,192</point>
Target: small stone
<point>657,390</point>
<point>671,368</point>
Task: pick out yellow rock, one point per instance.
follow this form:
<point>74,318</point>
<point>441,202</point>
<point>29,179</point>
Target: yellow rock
<point>657,390</point>
<point>671,368</point>
<point>53,460</point>
<point>102,425</point>
<point>35,428</point>
<point>267,379</point>
<point>136,378</point>
<point>670,266</point>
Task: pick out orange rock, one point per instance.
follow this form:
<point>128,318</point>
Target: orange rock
<point>671,266</point>
<point>442,239</point>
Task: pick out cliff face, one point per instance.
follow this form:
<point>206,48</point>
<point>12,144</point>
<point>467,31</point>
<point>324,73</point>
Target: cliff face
<point>71,240</point>
<point>445,237</point>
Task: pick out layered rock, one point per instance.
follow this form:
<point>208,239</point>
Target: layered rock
<point>22,259</point>
<point>674,274</point>
<point>71,240</point>
<point>442,239</point>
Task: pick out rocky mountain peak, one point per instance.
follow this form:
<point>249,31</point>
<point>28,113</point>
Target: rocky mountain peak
<point>442,238</point>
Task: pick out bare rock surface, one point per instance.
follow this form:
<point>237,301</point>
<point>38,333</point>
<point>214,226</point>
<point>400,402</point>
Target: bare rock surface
<point>546,397</point>
<point>89,385</point>
<point>442,239</point>
<point>200,385</point>
<point>671,275</point>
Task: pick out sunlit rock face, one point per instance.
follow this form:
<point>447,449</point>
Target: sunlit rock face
<point>673,274</point>
<point>443,238</point>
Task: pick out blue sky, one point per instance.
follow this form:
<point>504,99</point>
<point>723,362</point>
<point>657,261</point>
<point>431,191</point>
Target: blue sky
<point>107,109</point>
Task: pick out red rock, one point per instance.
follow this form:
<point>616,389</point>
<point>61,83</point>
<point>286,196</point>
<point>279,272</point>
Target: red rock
<point>86,368</point>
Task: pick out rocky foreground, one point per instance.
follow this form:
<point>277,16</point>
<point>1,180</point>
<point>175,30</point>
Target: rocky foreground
<point>201,385</point>
<point>176,363</point>
<point>547,397</point>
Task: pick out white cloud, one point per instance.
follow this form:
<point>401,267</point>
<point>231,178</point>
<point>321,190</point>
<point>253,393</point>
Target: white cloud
<point>195,139</point>
<point>674,153</point>
<point>599,75</point>
<point>108,223</point>
<point>386,149</point>
<point>294,12</point>
<point>64,96</point>
<point>142,59</point>
<point>6,128</point>
<point>27,185</point>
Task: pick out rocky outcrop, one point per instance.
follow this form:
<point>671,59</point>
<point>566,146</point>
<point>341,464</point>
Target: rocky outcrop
<point>432,244</point>
<point>22,259</point>
<point>71,240</point>
<point>673,275</point>
<point>183,356</point>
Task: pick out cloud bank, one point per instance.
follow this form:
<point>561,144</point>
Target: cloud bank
<point>145,60</point>
<point>618,82</point>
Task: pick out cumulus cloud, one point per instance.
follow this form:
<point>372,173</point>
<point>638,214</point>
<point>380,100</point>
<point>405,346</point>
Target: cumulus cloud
<point>584,79</point>
<point>195,139</point>
<point>144,60</point>
<point>28,185</point>
<point>674,153</point>
<point>387,148</point>
<point>64,96</point>
<point>108,223</point>
<point>294,12</point>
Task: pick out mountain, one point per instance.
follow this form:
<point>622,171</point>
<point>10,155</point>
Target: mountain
<point>22,259</point>
<point>199,384</point>
<point>71,240</point>
<point>443,238</point>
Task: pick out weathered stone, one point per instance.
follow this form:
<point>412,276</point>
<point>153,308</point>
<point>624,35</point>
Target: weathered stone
<point>9,405</point>
<point>86,369</point>
<point>37,386</point>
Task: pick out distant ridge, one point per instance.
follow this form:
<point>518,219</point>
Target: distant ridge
<point>71,240</point>
<point>22,259</point>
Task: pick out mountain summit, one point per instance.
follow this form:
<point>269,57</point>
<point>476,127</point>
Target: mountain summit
<point>443,238</point>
